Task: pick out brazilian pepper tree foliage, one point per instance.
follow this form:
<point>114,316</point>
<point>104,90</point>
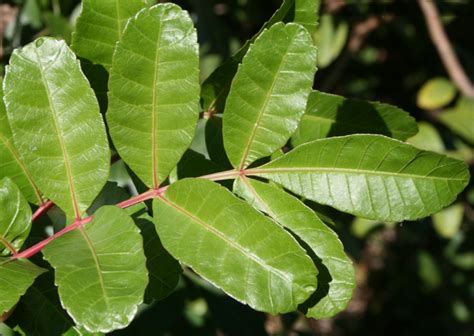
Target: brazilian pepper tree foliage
<point>235,213</point>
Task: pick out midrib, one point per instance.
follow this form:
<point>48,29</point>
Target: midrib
<point>153,113</point>
<point>22,166</point>
<point>59,134</point>
<point>263,109</point>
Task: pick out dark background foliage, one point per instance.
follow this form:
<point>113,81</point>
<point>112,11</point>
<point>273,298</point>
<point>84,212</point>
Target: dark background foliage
<point>411,279</point>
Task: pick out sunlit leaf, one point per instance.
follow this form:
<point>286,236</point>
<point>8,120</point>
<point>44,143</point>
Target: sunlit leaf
<point>100,270</point>
<point>460,119</point>
<point>269,93</point>
<point>436,93</point>
<point>100,26</point>
<point>370,176</point>
<point>56,124</point>
<point>15,217</point>
<point>448,221</point>
<point>336,284</point>
<point>154,91</point>
<point>427,138</point>
<point>11,164</point>
<point>234,246</point>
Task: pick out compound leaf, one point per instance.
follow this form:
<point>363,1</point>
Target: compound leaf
<point>100,26</point>
<point>335,288</point>
<point>100,270</point>
<point>15,217</point>
<point>370,176</point>
<point>269,93</point>
<point>154,91</point>
<point>329,115</point>
<point>234,246</point>
<point>67,153</point>
<point>11,164</point>
<point>15,278</point>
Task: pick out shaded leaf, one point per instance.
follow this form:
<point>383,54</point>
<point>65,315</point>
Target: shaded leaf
<point>154,91</point>
<point>15,217</point>
<point>269,93</point>
<point>100,270</point>
<point>334,288</point>
<point>15,278</point>
<point>369,176</point>
<point>68,153</point>
<point>329,115</point>
<point>100,26</point>
<point>436,93</point>
<point>163,270</point>
<point>233,246</point>
<point>39,312</point>
<point>11,164</point>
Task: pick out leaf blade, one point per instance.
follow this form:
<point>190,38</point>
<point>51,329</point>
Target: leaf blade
<point>155,82</point>
<point>16,276</point>
<point>100,26</point>
<point>15,217</point>
<point>68,153</point>
<point>272,84</point>
<point>11,163</point>
<point>370,176</point>
<point>329,115</point>
<point>101,277</point>
<point>302,221</point>
<point>275,278</point>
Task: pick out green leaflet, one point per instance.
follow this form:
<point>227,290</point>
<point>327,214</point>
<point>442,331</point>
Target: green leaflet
<point>100,26</point>
<point>100,270</point>
<point>154,91</point>
<point>15,278</point>
<point>306,14</point>
<point>11,164</point>
<point>68,153</point>
<point>269,93</point>
<point>460,118</point>
<point>39,312</point>
<point>233,246</point>
<point>15,217</point>
<point>334,289</point>
<point>330,115</point>
<point>436,93</point>
<point>369,176</point>
<point>216,87</point>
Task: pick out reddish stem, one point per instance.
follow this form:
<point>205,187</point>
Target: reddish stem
<point>38,247</point>
<point>153,193</point>
<point>42,210</point>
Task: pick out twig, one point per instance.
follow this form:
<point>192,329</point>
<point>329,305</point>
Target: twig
<point>41,210</point>
<point>445,49</point>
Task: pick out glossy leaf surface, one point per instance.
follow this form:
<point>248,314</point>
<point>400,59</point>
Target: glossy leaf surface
<point>11,164</point>
<point>329,115</point>
<point>269,93</point>
<point>234,246</point>
<point>100,270</point>
<point>100,26</point>
<point>15,278</point>
<point>15,217</point>
<point>67,153</point>
<point>335,288</point>
<point>154,91</point>
<point>370,176</point>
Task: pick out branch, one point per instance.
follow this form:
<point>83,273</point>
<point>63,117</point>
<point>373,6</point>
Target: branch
<point>445,49</point>
<point>150,194</point>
